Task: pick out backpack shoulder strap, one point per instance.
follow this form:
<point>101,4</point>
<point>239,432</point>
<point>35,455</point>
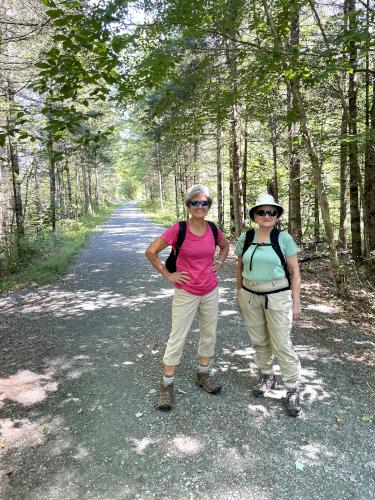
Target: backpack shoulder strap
<point>274,237</point>
<point>248,240</point>
<point>214,231</point>
<point>181,235</point>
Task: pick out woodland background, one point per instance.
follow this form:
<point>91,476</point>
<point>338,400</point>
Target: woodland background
<point>112,99</point>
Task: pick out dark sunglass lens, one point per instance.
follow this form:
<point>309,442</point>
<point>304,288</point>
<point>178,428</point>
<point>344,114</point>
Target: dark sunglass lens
<point>272,213</point>
<point>204,203</point>
<point>194,203</point>
<point>261,213</point>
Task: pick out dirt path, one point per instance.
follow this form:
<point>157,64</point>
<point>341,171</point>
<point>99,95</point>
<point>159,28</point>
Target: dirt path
<point>80,367</point>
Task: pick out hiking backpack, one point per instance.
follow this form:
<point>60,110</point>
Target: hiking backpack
<point>274,238</point>
<point>170,263</point>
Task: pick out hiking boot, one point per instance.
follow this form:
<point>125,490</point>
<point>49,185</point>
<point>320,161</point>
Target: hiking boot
<point>166,398</point>
<point>208,383</point>
<point>293,404</point>
<point>266,382</point>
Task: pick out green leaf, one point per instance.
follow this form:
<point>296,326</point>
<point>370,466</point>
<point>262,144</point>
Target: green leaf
<point>55,13</point>
<point>367,418</point>
<point>3,138</point>
<point>299,465</point>
<point>49,3</point>
<point>45,430</point>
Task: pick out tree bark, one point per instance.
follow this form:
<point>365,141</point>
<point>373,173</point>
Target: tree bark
<point>294,223</point>
<point>219,178</point>
<point>343,178</point>
<point>244,172</point>
<point>369,178</point>
<point>354,175</point>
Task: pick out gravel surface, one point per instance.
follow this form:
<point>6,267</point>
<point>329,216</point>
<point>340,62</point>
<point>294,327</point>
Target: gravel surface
<point>80,373</point>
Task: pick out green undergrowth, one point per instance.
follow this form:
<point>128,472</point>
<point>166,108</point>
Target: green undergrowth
<point>164,218</point>
<point>46,256</point>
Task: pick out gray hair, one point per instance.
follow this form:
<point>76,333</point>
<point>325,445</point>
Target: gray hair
<point>198,190</point>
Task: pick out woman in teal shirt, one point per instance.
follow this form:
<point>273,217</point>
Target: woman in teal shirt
<point>269,298</point>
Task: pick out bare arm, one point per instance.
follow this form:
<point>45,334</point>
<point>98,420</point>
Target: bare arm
<point>239,270</point>
<point>223,252</point>
<point>152,252</point>
<point>295,277</point>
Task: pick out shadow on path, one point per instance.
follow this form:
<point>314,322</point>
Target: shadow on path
<point>81,364</point>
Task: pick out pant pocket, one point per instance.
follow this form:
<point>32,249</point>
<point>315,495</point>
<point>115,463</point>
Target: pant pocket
<point>280,301</point>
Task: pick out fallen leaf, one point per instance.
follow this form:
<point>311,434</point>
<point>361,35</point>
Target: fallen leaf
<point>2,445</point>
<point>154,352</point>
<point>352,477</point>
<point>339,422</point>
<point>189,343</point>
<point>80,410</point>
<point>367,418</point>
<point>299,465</point>
<point>371,464</point>
<point>152,391</point>
<point>138,415</point>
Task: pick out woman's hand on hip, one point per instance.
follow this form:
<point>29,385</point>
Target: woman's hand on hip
<point>180,277</point>
<point>216,266</point>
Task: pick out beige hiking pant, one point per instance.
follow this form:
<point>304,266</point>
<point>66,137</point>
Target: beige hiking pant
<point>269,329</point>
<point>184,308</point>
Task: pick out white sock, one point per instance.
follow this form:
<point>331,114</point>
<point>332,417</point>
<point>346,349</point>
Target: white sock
<point>168,379</point>
<point>203,368</point>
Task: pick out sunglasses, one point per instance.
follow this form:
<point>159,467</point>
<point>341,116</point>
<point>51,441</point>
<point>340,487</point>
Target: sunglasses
<point>199,203</point>
<point>262,213</point>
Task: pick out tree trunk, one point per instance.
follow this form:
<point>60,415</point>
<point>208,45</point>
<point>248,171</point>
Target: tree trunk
<point>195,162</point>
<point>219,179</point>
<point>68,187</point>
<point>231,50</point>
<point>273,128</point>
<point>294,223</point>
<point>343,177</point>
<point>244,173</point>
<point>14,168</point>
<point>354,175</point>
<point>52,183</point>
<point>86,190</point>
<point>369,178</point>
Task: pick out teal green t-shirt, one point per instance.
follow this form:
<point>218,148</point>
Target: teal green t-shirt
<point>266,265</point>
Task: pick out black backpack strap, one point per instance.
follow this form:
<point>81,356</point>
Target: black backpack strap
<point>181,236</point>
<point>274,237</point>
<point>248,240</point>
<point>214,231</point>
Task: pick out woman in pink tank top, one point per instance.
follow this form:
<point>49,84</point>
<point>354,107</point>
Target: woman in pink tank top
<point>196,290</point>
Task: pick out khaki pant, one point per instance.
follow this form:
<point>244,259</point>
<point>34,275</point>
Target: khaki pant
<point>269,329</point>
<point>185,306</point>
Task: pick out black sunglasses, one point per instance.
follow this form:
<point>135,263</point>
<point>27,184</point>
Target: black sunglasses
<point>262,213</point>
<point>197,203</point>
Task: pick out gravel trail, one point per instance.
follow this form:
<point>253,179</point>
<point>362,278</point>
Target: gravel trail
<point>80,372</point>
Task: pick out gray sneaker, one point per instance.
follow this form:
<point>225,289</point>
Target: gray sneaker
<point>266,382</point>
<point>166,398</point>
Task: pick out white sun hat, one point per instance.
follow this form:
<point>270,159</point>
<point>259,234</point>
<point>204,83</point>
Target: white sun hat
<point>266,199</point>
